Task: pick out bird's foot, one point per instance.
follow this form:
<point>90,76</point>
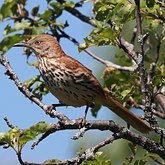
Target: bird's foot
<point>50,110</point>
<point>82,122</point>
<point>83,119</point>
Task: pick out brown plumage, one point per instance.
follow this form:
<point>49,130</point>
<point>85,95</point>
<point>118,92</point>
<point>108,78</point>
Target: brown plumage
<point>72,83</point>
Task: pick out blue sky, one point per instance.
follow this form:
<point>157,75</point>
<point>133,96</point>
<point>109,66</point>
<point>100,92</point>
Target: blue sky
<point>21,112</point>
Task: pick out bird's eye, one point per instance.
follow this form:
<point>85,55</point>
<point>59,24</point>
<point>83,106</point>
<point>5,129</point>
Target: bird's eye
<point>37,42</point>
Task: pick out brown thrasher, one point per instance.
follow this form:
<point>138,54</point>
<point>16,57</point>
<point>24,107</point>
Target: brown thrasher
<point>72,83</point>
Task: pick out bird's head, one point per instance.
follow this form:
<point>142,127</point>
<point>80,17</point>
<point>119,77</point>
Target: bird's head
<point>42,45</point>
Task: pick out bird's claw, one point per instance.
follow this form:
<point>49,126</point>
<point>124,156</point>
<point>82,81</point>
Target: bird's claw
<point>50,109</point>
<point>83,122</point>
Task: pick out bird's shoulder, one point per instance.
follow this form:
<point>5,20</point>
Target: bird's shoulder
<point>73,64</point>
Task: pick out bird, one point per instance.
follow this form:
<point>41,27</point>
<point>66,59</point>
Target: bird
<point>72,83</point>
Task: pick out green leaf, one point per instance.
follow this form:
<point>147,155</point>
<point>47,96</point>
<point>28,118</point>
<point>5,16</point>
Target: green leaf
<point>37,87</point>
<point>101,36</point>
<point>17,26</point>
<point>10,8</point>
<point>31,133</point>
<point>70,4</point>
<point>9,41</point>
<point>17,138</point>
<point>46,15</point>
<point>7,9</point>
<point>95,110</point>
<point>102,11</point>
<point>108,33</point>
<point>56,5</point>
<point>149,154</point>
<point>150,3</point>
<point>10,137</point>
<point>126,92</point>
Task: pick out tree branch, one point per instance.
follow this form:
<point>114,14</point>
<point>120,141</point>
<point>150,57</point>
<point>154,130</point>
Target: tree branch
<point>118,133</point>
<point>147,97</point>
<point>23,89</point>
<point>129,49</point>
<point>105,62</point>
<point>79,15</point>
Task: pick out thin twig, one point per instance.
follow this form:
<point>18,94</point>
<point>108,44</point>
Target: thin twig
<point>20,158</point>
<point>161,3</point>
<point>105,62</point>
<point>129,49</point>
<point>8,123</point>
<point>81,16</point>
<point>111,64</point>
<point>79,134</point>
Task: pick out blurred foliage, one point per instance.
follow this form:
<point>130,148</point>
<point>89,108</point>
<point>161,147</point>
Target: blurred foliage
<point>37,87</point>
<point>100,158</point>
<point>113,19</point>
<point>16,138</point>
<point>110,17</point>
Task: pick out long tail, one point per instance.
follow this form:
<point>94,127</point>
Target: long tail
<point>126,115</point>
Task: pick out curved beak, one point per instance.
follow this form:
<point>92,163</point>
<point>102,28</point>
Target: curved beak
<point>24,44</point>
<point>21,44</point>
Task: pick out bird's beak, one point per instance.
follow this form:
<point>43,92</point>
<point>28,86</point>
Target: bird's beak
<point>21,44</point>
<point>24,44</point>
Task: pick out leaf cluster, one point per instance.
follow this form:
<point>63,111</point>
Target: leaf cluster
<point>16,138</point>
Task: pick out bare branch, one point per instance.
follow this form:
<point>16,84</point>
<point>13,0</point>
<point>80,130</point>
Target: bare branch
<point>23,89</point>
<point>124,133</point>
<point>111,64</point>
<point>129,49</point>
<point>79,15</point>
<point>119,132</point>
<point>20,158</point>
<point>146,93</point>
<point>105,62</point>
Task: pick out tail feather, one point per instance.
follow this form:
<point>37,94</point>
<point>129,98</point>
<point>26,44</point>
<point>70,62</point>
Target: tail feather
<point>126,115</point>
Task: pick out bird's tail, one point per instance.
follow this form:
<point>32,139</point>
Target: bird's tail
<point>125,114</point>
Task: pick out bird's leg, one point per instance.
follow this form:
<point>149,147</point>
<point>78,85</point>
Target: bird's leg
<point>58,105</point>
<point>83,122</point>
<point>83,119</point>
